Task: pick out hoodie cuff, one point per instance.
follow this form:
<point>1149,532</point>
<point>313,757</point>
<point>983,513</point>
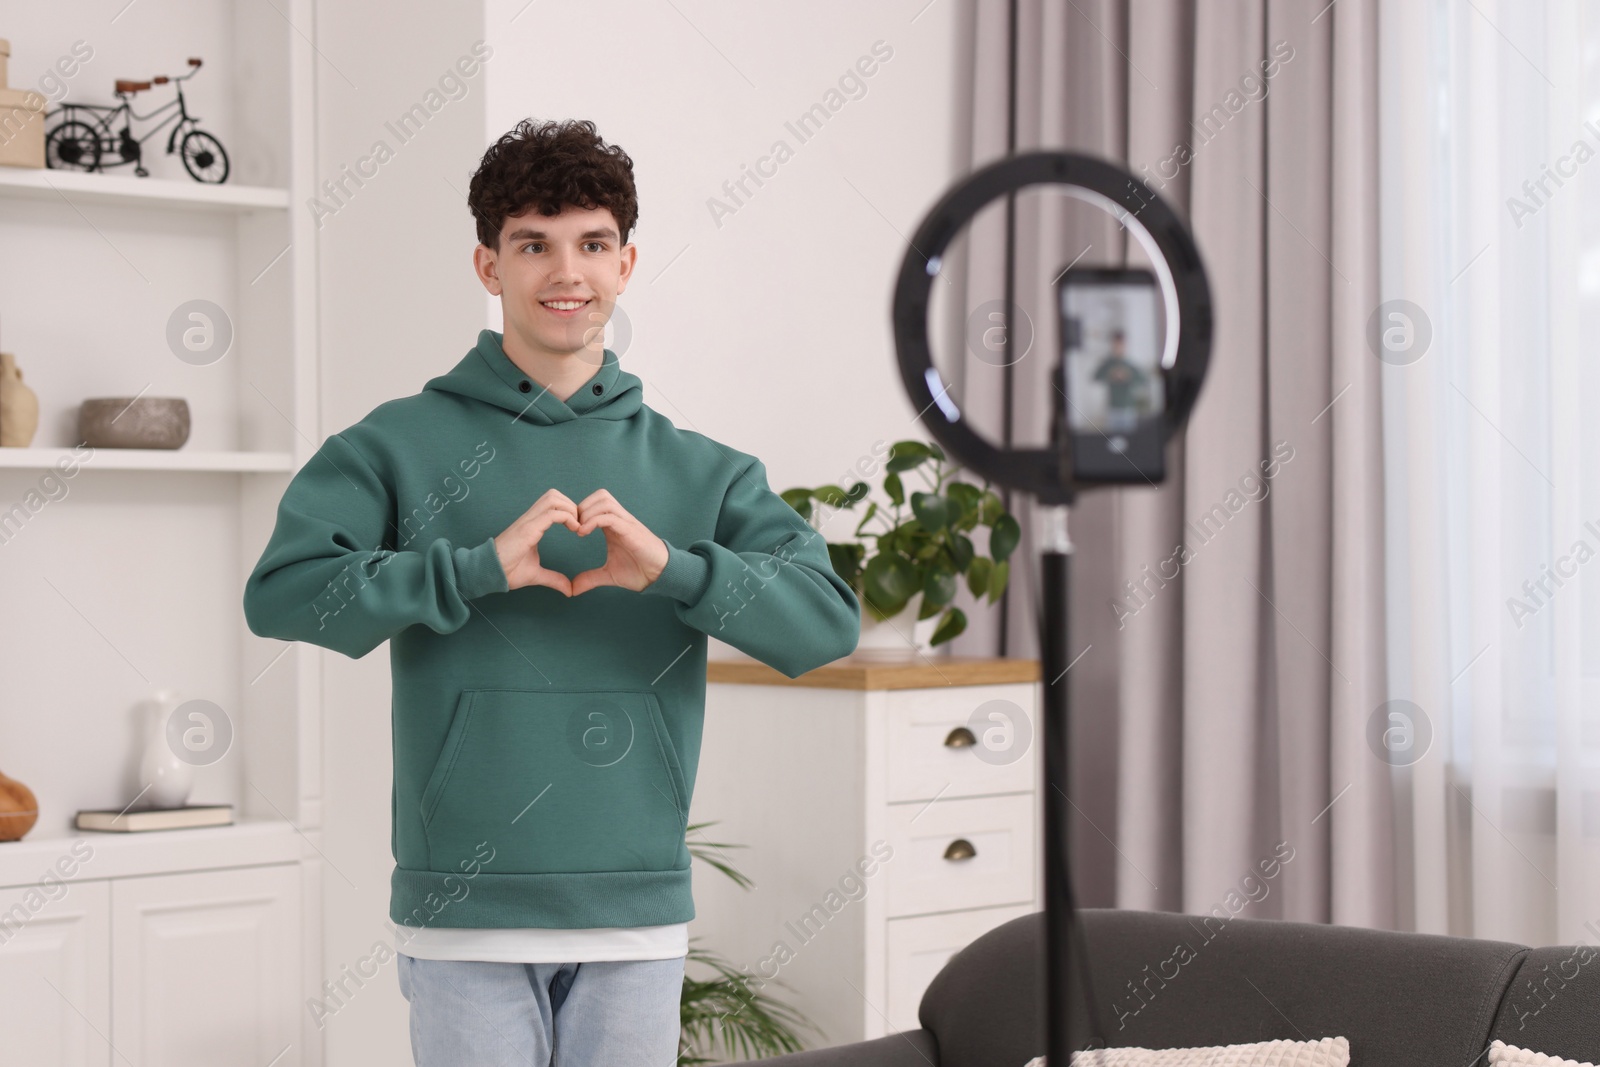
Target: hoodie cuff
<point>684,578</point>
<point>478,571</point>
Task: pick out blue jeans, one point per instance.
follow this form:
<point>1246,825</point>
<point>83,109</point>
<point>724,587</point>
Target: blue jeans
<point>543,1014</point>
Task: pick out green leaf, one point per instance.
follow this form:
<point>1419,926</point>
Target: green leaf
<point>892,486</point>
<point>992,507</point>
<point>858,492</point>
<point>872,509</point>
<point>997,580</point>
<point>961,551</point>
<point>978,575</point>
<point>1004,537</point>
<point>954,621</point>
<point>832,496</point>
<point>907,454</point>
<point>932,510</point>
<point>967,497</point>
<point>938,589</point>
<point>888,582</point>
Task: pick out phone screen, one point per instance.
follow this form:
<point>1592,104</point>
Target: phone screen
<point>1111,336</point>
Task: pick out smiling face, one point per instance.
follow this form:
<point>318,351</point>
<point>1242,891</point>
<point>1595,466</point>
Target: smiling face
<point>558,278</point>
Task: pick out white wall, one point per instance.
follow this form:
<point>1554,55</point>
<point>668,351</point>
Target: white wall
<point>398,305</point>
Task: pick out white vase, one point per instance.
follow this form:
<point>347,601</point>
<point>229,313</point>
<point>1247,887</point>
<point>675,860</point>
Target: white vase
<point>164,778</point>
<point>902,636</point>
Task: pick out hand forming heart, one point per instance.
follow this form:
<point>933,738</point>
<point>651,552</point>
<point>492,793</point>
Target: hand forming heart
<point>634,555</point>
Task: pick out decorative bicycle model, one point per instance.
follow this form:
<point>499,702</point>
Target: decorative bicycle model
<point>94,137</point>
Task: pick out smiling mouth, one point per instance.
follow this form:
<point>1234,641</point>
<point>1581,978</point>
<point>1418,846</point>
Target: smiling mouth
<point>565,308</point>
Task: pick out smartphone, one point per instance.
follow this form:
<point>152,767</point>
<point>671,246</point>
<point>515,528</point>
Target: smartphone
<point>1111,340</point>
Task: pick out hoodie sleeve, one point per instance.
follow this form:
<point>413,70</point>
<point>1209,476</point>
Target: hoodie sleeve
<point>765,585</point>
<point>327,577</point>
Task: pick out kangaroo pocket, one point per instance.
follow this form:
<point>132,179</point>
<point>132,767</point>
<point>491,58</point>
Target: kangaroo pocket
<point>556,781</point>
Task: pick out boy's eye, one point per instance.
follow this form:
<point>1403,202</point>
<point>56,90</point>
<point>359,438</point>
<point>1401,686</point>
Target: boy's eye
<point>598,246</point>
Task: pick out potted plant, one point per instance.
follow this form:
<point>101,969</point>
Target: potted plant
<point>905,569</point>
<point>724,1011</point>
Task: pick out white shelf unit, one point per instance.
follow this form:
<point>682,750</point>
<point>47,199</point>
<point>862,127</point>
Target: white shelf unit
<point>183,946</point>
<point>110,188</point>
<point>147,459</point>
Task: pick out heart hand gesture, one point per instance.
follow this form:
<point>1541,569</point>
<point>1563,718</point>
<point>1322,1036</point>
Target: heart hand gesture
<point>634,556</point>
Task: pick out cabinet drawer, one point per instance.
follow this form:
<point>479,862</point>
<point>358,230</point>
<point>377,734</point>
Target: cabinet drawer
<point>926,873</point>
<point>919,948</point>
<point>926,728</point>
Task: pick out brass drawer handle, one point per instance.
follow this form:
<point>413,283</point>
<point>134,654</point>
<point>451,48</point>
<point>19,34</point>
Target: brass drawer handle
<point>960,849</point>
<point>960,737</point>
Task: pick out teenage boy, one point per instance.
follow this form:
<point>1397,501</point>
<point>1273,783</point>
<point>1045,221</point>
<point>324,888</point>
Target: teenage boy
<point>548,685</point>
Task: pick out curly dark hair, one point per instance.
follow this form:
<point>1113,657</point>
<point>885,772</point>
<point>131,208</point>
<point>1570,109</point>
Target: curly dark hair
<point>545,166</point>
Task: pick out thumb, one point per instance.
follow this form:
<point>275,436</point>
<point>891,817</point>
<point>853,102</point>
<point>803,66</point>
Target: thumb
<point>584,581</point>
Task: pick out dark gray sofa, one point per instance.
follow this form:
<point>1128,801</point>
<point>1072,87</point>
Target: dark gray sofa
<point>1163,980</point>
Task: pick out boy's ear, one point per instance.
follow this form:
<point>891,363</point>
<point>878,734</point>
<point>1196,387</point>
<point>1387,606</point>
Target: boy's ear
<point>630,257</point>
<point>487,267</point>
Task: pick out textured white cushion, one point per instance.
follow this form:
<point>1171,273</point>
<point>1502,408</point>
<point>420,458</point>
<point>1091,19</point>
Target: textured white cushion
<point>1500,1052</point>
<point>1329,1052</point>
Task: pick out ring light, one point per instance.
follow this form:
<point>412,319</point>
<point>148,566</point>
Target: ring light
<point>1186,297</point>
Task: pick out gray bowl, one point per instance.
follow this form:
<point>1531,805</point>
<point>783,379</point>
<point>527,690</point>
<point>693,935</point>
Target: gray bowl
<point>134,422</point>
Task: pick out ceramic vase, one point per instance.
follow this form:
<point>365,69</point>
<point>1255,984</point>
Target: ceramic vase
<point>902,636</point>
<point>165,779</point>
<point>19,406</point>
<point>18,809</point>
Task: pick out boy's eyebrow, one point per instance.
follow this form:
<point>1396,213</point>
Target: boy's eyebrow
<point>524,234</point>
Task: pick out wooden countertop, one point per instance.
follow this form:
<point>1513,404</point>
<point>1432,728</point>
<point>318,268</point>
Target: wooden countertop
<point>848,673</point>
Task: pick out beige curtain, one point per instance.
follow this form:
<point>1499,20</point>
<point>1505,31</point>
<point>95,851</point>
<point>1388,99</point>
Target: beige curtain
<point>1222,697</point>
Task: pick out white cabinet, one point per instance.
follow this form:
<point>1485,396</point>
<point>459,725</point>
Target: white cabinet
<point>889,815</point>
<point>55,978</point>
<point>201,972</point>
<point>106,959</point>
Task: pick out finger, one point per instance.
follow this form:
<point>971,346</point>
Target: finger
<point>541,522</point>
<point>599,500</point>
<point>565,511</point>
<point>608,520</point>
<point>556,495</point>
<point>585,518</point>
<point>551,580</point>
<point>587,580</point>
<point>556,501</point>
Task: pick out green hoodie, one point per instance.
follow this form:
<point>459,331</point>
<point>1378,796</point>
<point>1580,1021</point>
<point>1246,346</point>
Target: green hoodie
<point>545,747</point>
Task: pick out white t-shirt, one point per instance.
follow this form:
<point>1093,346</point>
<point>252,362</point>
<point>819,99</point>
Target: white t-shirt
<point>537,945</point>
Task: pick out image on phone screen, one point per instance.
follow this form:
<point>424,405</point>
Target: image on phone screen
<point>1111,335</point>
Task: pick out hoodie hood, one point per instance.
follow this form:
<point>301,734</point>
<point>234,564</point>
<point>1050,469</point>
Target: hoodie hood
<point>486,373</point>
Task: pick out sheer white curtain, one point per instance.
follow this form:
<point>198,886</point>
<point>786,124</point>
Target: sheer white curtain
<point>1490,196</point>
